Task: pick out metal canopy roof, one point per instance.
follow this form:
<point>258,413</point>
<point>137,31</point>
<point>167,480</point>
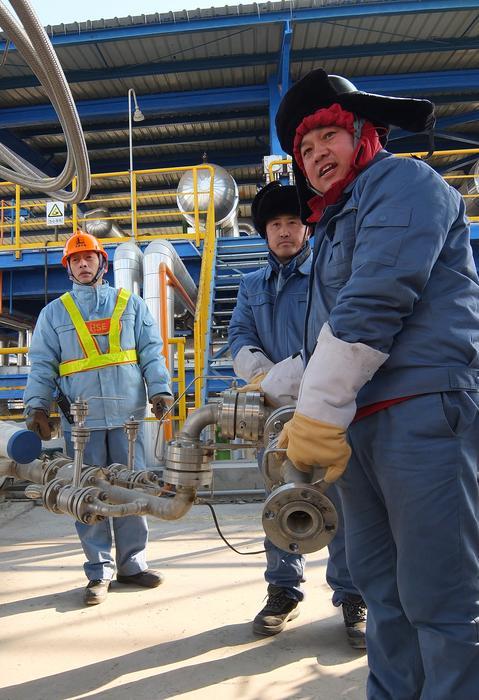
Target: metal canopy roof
<point>209,80</point>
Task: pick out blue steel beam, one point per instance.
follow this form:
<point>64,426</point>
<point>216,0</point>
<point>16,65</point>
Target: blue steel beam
<point>279,86</point>
<point>202,139</point>
<point>474,231</point>
<point>25,151</point>
<point>284,65</point>
<point>423,83</point>
<point>246,96</point>
<point>166,103</point>
<point>274,100</point>
<point>32,259</point>
<point>457,165</point>
<point>470,139</point>
<point>228,159</point>
<point>446,122</point>
<point>246,60</point>
<point>441,123</point>
<point>122,125</point>
<point>251,19</point>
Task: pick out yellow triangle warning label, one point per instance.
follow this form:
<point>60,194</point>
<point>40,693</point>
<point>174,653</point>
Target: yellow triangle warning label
<point>55,211</point>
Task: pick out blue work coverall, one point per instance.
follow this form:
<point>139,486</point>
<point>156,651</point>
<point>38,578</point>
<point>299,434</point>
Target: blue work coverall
<point>393,268</point>
<point>114,393</point>
<point>269,314</point>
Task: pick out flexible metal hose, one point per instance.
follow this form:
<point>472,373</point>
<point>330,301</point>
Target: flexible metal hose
<point>33,44</point>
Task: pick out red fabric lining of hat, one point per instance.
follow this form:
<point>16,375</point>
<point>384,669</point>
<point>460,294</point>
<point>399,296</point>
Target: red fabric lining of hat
<point>365,150</point>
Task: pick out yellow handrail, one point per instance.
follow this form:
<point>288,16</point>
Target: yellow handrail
<point>180,379</point>
<point>34,222</point>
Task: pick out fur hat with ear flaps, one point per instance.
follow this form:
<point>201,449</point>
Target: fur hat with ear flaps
<point>273,200</point>
<point>318,90</point>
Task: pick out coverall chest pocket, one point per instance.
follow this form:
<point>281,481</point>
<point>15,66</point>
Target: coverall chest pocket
<point>340,239</point>
<point>262,305</point>
<point>69,343</point>
<point>127,333</point>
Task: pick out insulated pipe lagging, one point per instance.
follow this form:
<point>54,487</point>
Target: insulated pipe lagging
<point>19,443</point>
<point>33,44</point>
<point>128,267</point>
<point>158,252</point>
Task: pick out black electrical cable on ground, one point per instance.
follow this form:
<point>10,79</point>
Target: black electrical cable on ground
<point>205,503</point>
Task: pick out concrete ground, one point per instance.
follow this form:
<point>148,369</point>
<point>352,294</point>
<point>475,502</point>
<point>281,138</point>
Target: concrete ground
<point>190,638</point>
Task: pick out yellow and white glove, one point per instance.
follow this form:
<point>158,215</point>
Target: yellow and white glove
<point>336,371</point>
<point>311,442</point>
<point>255,383</point>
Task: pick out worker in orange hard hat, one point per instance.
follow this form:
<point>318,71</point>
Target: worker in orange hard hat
<point>101,344</point>
<point>84,245</point>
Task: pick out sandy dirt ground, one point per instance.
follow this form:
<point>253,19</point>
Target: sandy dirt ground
<point>190,638</point>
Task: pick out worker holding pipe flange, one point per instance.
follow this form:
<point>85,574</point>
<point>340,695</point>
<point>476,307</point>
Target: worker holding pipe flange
<point>389,398</point>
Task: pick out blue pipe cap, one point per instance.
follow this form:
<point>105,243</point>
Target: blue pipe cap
<point>24,446</point>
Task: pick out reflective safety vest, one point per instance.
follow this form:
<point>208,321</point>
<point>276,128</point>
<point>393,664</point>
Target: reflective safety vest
<point>94,359</point>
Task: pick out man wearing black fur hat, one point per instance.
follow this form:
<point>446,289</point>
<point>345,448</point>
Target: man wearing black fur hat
<point>391,384</point>
<point>265,331</point>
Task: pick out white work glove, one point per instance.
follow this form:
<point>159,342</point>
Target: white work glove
<point>280,385</point>
<point>251,363</point>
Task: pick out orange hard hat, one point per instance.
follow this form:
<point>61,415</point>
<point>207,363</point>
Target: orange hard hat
<point>82,242</point>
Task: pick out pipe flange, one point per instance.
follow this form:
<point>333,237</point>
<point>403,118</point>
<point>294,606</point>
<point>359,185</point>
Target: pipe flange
<point>90,475</point>
<point>275,422</point>
<point>194,478</point>
<point>187,455</point>
<point>227,413</point>
<point>75,501</point>
<point>250,414</point>
<point>52,468</point>
<point>50,495</point>
<point>188,463</point>
<point>298,518</point>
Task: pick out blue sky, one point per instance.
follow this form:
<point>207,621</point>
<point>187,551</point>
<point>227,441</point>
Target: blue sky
<point>53,12</point>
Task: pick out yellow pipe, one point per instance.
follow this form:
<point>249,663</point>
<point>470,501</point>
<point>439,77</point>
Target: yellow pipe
<point>74,210</point>
<point>13,351</point>
<point>134,233</point>
<point>18,253</point>
<point>180,342</point>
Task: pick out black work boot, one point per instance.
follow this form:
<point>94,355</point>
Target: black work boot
<point>354,613</point>
<point>279,610</point>
<point>96,591</point>
<point>144,579</point>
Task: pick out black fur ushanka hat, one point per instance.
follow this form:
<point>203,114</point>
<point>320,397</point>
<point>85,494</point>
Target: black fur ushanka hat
<point>273,200</point>
<point>318,89</point>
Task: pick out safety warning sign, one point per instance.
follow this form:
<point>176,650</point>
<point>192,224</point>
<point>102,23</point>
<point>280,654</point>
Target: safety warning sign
<point>55,213</point>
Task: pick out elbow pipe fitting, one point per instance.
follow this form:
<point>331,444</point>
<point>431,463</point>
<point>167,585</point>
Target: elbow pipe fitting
<point>239,415</point>
<point>297,516</point>
<point>187,458</point>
